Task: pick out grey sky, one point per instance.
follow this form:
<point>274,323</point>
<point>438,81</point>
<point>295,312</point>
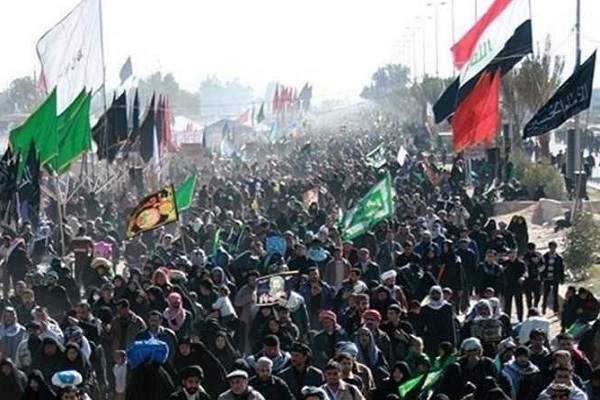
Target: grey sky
<point>335,44</point>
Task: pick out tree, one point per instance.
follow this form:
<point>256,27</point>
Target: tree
<point>183,102</point>
<point>224,98</point>
<point>427,92</point>
<point>390,89</point>
<point>528,87</point>
<point>583,242</point>
<point>23,95</point>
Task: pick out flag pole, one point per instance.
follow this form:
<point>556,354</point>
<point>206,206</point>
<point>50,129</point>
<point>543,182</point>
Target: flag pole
<point>104,97</point>
<point>574,144</point>
<point>60,214</point>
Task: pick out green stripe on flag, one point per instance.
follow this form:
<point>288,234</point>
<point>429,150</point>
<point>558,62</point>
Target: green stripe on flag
<point>184,194</point>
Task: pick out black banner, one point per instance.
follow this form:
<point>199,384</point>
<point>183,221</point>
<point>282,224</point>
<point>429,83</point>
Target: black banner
<point>571,98</point>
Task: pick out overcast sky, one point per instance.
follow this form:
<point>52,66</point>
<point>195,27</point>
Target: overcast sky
<point>335,44</point>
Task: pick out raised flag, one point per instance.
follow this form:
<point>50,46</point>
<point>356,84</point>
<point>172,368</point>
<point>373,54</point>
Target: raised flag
<point>311,196</point>
<point>29,194</point>
<point>572,97</point>
<point>71,53</point>
<point>401,157</point>
<point>168,144</point>
<point>153,211</point>
<point>377,205</point>
<point>8,180</point>
<point>147,132</point>
<point>185,193</point>
<point>477,120</point>
<point>376,158</point>
<point>39,128</point>
<point>244,118</point>
<point>410,385</point>
<point>126,70</point>
<point>159,118</point>
<point>276,100</point>
<point>498,41</point>
<point>260,117</point>
<point>73,133</point>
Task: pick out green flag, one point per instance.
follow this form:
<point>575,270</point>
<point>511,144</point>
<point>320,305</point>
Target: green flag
<point>376,158</point>
<point>410,385</point>
<point>74,133</point>
<point>185,193</point>
<point>377,205</point>
<point>39,128</point>
<point>261,114</point>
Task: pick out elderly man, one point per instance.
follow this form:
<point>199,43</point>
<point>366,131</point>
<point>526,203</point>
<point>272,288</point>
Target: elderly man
<point>239,388</point>
<point>271,387</point>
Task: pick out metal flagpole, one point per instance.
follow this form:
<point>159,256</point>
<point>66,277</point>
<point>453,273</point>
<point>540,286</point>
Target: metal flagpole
<point>574,138</point>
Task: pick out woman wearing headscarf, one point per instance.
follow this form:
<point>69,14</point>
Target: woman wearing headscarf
<point>223,350</point>
<point>400,374</point>
<point>49,359</point>
<point>220,278</point>
<point>370,355</point>
<point>37,388</point>
<point>12,381</point>
<point>437,317</point>
<point>161,279</point>
<point>156,298</point>
<point>518,227</point>
<point>176,317</point>
<point>73,360</point>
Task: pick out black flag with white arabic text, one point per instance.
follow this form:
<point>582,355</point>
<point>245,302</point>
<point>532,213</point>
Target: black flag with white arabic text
<point>571,98</point>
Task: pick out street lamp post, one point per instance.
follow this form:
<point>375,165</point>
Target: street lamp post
<point>436,5</point>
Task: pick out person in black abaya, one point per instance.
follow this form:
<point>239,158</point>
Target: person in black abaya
<point>223,350</point>
<point>12,381</point>
<point>149,381</point>
<point>438,322</point>
<point>37,388</point>
<point>189,353</point>
<point>49,359</point>
<point>73,360</point>
<point>518,227</point>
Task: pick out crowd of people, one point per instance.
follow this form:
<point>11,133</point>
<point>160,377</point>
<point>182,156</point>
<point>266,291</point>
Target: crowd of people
<point>419,307</point>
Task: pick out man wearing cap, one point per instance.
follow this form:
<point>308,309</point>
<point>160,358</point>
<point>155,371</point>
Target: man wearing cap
<point>29,347</point>
<point>56,298</point>
<point>191,388</point>
<point>271,387</point>
<point>300,373</point>
<point>239,388</point>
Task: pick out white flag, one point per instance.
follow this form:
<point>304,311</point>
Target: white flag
<point>71,53</point>
<point>401,157</point>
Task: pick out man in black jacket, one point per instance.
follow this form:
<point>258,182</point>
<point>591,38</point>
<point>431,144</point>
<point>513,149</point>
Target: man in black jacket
<point>271,387</point>
<point>301,373</point>
<point>515,273</point>
<point>552,275</point>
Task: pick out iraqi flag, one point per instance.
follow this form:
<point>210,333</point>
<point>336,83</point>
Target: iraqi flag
<point>498,41</point>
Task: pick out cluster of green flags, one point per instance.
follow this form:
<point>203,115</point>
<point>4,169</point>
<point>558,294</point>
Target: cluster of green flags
<point>427,381</point>
<point>58,139</point>
<point>377,205</point>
